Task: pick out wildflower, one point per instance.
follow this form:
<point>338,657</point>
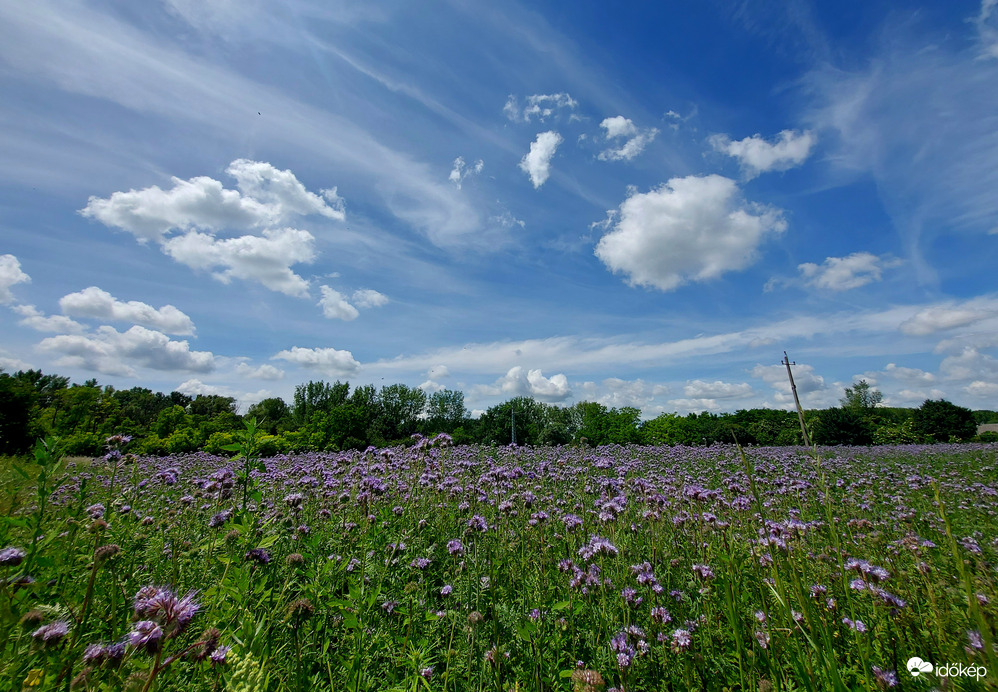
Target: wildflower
<point>294,560</point>
<point>535,615</point>
<point>587,680</point>
<point>389,606</point>
<point>760,616</point>
<point>106,552</point>
<point>478,523</point>
<point>52,633</point>
<point>420,563</point>
<point>885,678</point>
<point>681,640</point>
<point>301,609</point>
<point>146,635</point>
<point>762,636</point>
<point>703,571</point>
<point>258,555</point>
<point>426,673</point>
<point>975,640</point>
<point>455,547</point>
<point>660,615</point>
<point>11,557</point>
<point>219,654</point>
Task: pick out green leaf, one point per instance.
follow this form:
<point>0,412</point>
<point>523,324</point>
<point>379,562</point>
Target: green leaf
<point>21,472</point>
<point>234,447</point>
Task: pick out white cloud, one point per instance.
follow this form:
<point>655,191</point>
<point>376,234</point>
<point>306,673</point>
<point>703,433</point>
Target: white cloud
<point>980,388</point>
<point>619,127</point>
<point>694,405</point>
<point>195,387</point>
<point>537,164</point>
<point>369,298</point>
<point>910,376</point>
<point>10,274</point>
<point>430,386</point>
<point>507,220</point>
<point>698,389</point>
<point>540,106</point>
<point>57,324</point>
<point>335,306</point>
<point>99,304</point>
<point>438,372</point>
<point>617,393</point>
<point>987,28</point>
<point>756,155</point>
<point>461,170</point>
<point>266,196</point>
<point>970,364</point>
<point>844,273</point>
<point>690,229</point>
<point>263,372</point>
<point>940,317</point>
<point>518,382</point>
<point>11,364</point>
<point>328,361</point>
<point>266,259</point>
<point>776,377</point>
<point>114,353</point>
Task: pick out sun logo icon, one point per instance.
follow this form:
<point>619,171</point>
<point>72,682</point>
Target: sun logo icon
<point>917,666</point>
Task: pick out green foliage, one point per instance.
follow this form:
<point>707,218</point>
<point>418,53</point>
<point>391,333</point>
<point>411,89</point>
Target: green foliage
<point>220,443</point>
<point>401,409</point>
<point>861,397</point>
<point>445,411</point>
<point>272,414</point>
<point>82,444</point>
<point>183,441</point>
<point>841,426</point>
<point>903,433</point>
<point>942,421</point>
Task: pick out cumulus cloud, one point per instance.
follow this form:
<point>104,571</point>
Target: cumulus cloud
<point>328,361</point>
<point>690,229</point>
<point>265,196</point>
<point>520,382</point>
<point>195,387</point>
<point>438,372</point>
<point>265,259</point>
<point>537,163</point>
<point>10,274</point>
<point>634,139</point>
<point>99,304</point>
<point>369,298</point>
<point>695,405</point>
<point>539,106</point>
<point>335,306</point>
<point>115,353</point>
<point>937,318</point>
<point>461,170</point>
<point>431,386</point>
<point>755,155</point>
<point>910,376</point>
<point>56,324</point>
<point>617,393</point>
<point>698,389</point>
<point>776,377</point>
<point>263,372</point>
<point>11,364</point>
<point>844,273</point>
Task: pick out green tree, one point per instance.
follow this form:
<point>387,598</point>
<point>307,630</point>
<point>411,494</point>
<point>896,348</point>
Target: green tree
<point>17,400</point>
<point>841,426</point>
<point>317,396</point>
<point>861,397</point>
<point>942,421</point>
<point>271,413</point>
<point>445,411</point>
<point>401,408</point>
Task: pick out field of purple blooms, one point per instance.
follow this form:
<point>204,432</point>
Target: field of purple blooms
<point>434,567</point>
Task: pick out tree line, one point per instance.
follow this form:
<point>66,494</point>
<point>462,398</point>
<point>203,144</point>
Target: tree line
<point>324,416</point>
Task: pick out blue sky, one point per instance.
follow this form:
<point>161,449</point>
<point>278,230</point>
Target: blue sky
<point>643,206</point>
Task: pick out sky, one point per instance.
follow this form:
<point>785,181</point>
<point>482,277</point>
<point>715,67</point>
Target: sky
<point>640,204</point>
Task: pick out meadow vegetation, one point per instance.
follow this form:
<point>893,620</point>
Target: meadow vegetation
<point>440,567</point>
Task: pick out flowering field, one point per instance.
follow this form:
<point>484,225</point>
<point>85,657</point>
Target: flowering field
<point>467,568</point>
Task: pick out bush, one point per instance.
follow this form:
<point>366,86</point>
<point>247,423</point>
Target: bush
<point>216,444</point>
<point>942,421</point>
<point>841,426</point>
<point>183,441</point>
<point>82,444</point>
<point>270,445</point>
<point>153,445</point>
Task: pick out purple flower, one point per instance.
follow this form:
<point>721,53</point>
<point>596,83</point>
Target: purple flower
<point>885,678</point>
<point>146,635</point>
<point>420,563</point>
<point>703,571</point>
<point>446,591</point>
<point>455,547</point>
<point>52,633</point>
<point>258,555</point>
<point>218,655</point>
<point>11,557</point>
<point>681,640</point>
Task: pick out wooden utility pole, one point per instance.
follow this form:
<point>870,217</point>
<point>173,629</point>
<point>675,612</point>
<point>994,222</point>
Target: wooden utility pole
<point>793,388</point>
<point>513,419</point>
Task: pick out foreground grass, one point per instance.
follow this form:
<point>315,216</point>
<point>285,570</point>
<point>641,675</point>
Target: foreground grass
<point>493,568</point>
